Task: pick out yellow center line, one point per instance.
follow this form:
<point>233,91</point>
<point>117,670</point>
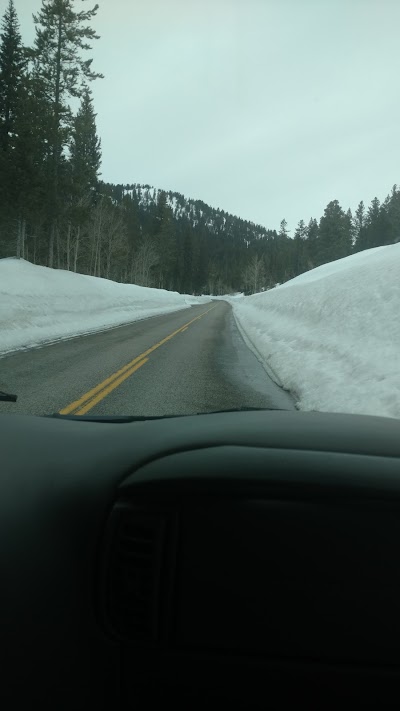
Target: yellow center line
<point>185,329</point>
<point>93,396</point>
<point>83,410</point>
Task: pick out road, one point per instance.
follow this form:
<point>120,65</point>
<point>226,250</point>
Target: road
<point>189,361</point>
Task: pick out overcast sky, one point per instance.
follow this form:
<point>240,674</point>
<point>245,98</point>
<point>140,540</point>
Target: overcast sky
<point>267,109</point>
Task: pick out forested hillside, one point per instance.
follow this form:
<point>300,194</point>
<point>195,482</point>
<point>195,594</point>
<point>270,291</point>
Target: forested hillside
<point>55,210</point>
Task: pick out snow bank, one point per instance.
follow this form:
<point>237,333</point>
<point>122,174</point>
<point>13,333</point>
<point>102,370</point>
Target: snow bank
<point>39,305</point>
<point>332,335</point>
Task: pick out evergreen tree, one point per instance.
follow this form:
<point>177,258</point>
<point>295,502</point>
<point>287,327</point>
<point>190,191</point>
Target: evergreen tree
<point>83,168</point>
<point>300,231</point>
<point>130,205</point>
<point>160,211</point>
<point>84,152</point>
<point>85,147</point>
<point>300,248</point>
<point>392,209</point>
<point>61,35</point>
<point>334,234</point>
<point>312,243</point>
<point>186,280</point>
<point>12,64</point>
<point>377,226</point>
<point>372,223</point>
<point>29,172</point>
<point>283,231</point>
<point>164,229</point>
<point>351,226</point>
<point>359,227</point>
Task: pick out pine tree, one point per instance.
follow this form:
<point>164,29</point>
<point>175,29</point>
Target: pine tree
<point>83,170</point>
<point>12,64</point>
<point>283,231</point>
<point>186,280</point>
<point>301,230</point>
<point>376,225</point>
<point>160,211</point>
<point>61,36</point>
<point>351,227</point>
<point>130,204</point>
<point>392,209</point>
<point>85,147</point>
<point>334,234</point>
<point>312,243</point>
<point>31,162</point>
<point>300,248</point>
<point>359,227</point>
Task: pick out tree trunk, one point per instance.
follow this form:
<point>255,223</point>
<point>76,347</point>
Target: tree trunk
<point>96,257</point>
<point>55,146</point>
<point>68,245</point>
<point>108,267</point>
<point>92,235</point>
<point>23,233</point>
<point>51,244</point>
<point>58,248</point>
<point>99,257</point>
<point>78,234</point>
<point>19,238</point>
<point>97,271</point>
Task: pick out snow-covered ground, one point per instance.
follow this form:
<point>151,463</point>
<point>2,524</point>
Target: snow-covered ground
<point>332,335</point>
<point>40,305</point>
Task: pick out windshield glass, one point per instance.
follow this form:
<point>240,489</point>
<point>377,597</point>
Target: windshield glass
<point>199,207</point>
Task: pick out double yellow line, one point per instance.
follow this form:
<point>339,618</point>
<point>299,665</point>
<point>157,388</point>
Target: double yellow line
<point>98,393</point>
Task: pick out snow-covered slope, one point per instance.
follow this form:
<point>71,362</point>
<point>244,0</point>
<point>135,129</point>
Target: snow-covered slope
<point>39,305</point>
<point>332,335</point>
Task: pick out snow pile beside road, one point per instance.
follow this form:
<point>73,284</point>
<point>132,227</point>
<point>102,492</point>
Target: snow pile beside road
<point>39,305</point>
<point>332,335</point>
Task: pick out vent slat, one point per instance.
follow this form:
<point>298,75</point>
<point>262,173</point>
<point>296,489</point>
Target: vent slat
<point>134,574</point>
<point>138,553</point>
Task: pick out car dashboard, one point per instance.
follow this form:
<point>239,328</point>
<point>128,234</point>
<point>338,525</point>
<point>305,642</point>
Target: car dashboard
<point>246,558</point>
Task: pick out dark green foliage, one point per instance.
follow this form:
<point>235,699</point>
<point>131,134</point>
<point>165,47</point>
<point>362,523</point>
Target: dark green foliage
<point>334,240</point>
<point>12,62</point>
<point>360,219</point>
<point>283,231</point>
<point>392,210</point>
<point>85,148</point>
<point>62,34</point>
<point>380,225</point>
<point>300,248</point>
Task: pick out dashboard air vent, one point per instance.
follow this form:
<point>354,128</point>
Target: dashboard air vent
<point>135,576</point>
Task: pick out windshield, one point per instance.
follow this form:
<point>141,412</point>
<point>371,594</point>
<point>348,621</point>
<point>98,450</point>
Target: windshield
<point>199,207</point>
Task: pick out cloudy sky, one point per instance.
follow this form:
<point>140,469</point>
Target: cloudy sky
<point>268,109</point>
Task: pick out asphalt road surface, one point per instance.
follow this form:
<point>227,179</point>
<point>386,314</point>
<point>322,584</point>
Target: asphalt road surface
<point>189,361</point>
